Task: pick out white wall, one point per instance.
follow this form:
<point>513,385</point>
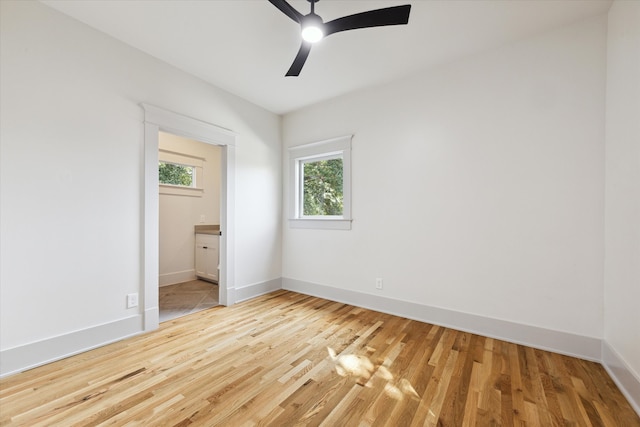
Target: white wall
<point>622,207</point>
<point>477,187</point>
<point>180,210</point>
<point>72,174</point>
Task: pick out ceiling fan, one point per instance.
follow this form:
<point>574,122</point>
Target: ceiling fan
<point>314,29</point>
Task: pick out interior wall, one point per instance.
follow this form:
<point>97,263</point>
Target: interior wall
<point>622,208</point>
<point>71,143</point>
<point>179,213</point>
<point>477,187</point>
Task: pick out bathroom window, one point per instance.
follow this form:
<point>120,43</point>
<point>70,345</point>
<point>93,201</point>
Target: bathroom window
<point>176,174</point>
<point>180,174</point>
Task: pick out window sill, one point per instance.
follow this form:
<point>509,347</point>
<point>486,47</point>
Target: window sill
<point>177,190</point>
<point>321,223</point>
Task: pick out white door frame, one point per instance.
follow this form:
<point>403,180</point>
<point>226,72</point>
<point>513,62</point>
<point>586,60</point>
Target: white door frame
<point>155,120</point>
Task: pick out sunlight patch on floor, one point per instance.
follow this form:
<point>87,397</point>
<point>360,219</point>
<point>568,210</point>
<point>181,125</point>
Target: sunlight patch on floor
<point>362,369</point>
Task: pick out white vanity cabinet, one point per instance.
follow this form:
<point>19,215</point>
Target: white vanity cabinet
<point>207,256</point>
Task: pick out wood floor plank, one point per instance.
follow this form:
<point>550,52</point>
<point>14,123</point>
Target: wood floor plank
<point>544,391</point>
<point>287,359</point>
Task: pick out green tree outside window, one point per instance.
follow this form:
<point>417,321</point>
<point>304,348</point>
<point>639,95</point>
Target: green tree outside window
<point>173,174</point>
<point>322,187</point>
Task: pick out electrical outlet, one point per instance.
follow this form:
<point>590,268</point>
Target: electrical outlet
<point>132,300</point>
<point>378,283</point>
<point>202,219</point>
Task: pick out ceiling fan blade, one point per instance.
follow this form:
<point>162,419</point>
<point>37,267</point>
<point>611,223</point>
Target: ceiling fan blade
<point>301,58</point>
<point>288,10</point>
<point>396,15</point>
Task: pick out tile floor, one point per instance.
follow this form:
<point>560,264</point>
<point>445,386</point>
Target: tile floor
<point>185,298</point>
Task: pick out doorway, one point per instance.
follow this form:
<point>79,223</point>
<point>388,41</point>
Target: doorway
<point>189,218</point>
<point>159,120</point>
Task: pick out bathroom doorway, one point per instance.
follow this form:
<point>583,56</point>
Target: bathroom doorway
<point>158,120</point>
<point>189,176</point>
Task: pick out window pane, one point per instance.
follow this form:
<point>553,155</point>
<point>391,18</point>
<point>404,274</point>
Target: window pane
<point>322,187</point>
<point>170,173</point>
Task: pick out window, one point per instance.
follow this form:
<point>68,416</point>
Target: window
<point>176,174</point>
<point>180,174</point>
<point>320,184</point>
<point>322,193</point>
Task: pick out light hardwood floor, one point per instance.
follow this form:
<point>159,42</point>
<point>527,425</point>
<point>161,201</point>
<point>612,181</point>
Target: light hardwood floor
<point>287,359</point>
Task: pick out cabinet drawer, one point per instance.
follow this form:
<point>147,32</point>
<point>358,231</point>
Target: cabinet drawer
<point>207,240</point>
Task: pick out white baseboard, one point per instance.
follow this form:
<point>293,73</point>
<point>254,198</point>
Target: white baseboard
<point>151,319</point>
<point>38,353</point>
<point>251,291</point>
<point>584,347</point>
<point>176,277</point>
<point>622,375</point>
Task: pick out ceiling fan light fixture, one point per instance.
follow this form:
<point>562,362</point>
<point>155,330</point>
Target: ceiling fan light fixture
<point>312,31</point>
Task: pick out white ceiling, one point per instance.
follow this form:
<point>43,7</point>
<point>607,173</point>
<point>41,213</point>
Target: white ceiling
<point>246,46</point>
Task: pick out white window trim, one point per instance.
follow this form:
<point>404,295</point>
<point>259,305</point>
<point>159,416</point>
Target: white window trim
<point>332,148</point>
